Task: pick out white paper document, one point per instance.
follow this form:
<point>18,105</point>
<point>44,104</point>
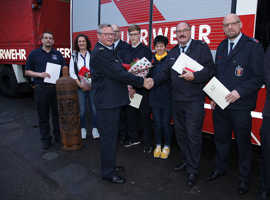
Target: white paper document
<point>54,71</point>
<point>136,100</point>
<point>217,92</point>
<point>185,62</point>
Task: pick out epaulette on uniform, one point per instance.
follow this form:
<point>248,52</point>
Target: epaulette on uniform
<point>253,40</point>
<point>101,48</point>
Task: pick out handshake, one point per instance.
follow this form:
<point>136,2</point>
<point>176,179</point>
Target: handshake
<point>148,83</point>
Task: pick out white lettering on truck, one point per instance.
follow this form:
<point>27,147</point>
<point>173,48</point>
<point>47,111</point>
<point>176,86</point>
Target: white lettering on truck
<point>12,54</point>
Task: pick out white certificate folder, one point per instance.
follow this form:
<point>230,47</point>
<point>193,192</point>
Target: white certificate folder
<point>217,92</point>
<point>54,71</point>
<point>185,62</point>
<point>136,100</point>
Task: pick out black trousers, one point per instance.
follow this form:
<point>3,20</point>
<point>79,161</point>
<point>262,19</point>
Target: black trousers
<point>188,121</point>
<point>45,98</point>
<point>265,162</point>
<point>238,121</point>
<point>140,117</point>
<point>108,126</point>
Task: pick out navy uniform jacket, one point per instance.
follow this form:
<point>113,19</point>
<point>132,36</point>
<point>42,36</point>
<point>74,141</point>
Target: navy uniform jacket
<point>110,79</point>
<point>183,90</point>
<point>122,51</point>
<point>160,95</point>
<point>266,110</point>
<point>241,70</point>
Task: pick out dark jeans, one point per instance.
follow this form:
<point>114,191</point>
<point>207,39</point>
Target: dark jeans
<point>265,161</point>
<point>87,99</point>
<point>45,98</point>
<point>162,128</point>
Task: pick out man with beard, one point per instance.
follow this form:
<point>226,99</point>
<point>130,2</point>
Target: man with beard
<point>188,98</point>
<point>239,66</point>
<point>45,93</point>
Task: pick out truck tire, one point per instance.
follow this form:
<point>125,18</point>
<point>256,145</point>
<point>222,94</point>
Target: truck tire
<point>8,81</point>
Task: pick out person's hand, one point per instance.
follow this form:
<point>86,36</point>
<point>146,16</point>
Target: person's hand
<point>131,91</point>
<point>232,97</point>
<point>44,75</point>
<point>148,83</point>
<point>187,75</point>
<point>213,105</point>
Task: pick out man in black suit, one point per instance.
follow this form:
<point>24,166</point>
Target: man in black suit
<point>110,81</point>
<point>239,66</point>
<point>188,98</point>
<point>121,49</point>
<point>265,136</point>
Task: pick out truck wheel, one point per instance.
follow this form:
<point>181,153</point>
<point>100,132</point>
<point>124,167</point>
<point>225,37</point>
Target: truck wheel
<point>8,81</point>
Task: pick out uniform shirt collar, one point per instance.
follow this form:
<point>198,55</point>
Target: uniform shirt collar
<point>116,43</point>
<point>136,45</point>
<point>187,45</point>
<point>108,47</point>
<point>235,41</point>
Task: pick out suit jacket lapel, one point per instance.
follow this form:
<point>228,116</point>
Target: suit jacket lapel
<point>237,48</point>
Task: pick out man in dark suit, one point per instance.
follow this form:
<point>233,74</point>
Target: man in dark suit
<point>110,81</point>
<point>121,49</point>
<point>239,66</point>
<point>188,98</point>
<point>265,136</point>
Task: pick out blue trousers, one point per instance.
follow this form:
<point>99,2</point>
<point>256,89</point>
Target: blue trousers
<point>162,128</point>
<point>87,99</point>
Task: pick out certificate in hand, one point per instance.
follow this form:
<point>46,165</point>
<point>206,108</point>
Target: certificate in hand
<point>187,63</point>
<point>136,100</point>
<point>54,71</point>
<point>217,92</point>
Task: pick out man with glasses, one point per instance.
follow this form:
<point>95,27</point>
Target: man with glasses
<point>136,52</point>
<point>110,81</point>
<point>188,98</point>
<point>239,66</point>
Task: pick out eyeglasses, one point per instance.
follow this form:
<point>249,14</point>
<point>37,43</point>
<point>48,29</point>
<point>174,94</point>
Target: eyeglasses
<point>108,34</point>
<point>232,24</point>
<point>183,31</point>
<point>134,34</point>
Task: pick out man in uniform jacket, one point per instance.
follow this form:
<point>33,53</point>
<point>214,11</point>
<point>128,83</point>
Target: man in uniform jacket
<point>265,136</point>
<point>188,98</point>
<point>111,93</point>
<point>239,66</point>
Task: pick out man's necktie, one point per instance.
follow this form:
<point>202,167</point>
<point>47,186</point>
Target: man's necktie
<point>183,49</point>
<point>231,47</point>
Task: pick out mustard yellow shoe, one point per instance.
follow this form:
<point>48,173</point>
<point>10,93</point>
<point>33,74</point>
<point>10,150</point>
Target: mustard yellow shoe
<point>165,153</point>
<point>157,152</point>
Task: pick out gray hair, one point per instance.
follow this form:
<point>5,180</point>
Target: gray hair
<point>102,26</point>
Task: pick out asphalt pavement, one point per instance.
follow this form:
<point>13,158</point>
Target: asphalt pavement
<point>27,173</point>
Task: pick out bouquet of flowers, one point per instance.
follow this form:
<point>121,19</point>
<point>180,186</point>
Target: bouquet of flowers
<point>85,77</point>
<point>139,67</point>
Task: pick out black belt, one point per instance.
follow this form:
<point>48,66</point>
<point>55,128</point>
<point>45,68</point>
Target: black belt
<point>44,85</point>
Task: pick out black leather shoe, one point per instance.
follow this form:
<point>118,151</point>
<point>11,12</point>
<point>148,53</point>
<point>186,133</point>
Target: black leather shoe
<point>115,179</point>
<point>264,195</point>
<point>180,167</point>
<point>243,187</point>
<point>214,175</point>
<point>119,169</point>
<point>191,180</point>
